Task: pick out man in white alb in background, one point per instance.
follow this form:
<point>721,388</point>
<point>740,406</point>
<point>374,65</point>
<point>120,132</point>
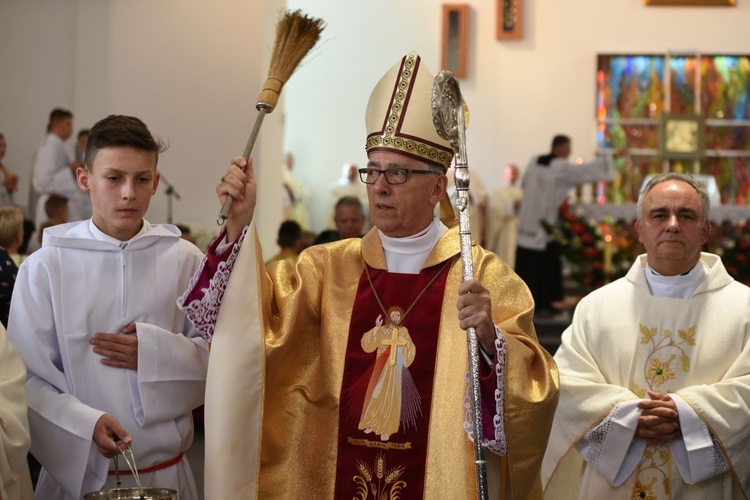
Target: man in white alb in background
<point>54,170</point>
<point>546,183</point>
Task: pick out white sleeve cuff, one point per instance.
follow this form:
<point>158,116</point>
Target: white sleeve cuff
<point>697,454</point>
<point>223,245</point>
<point>609,448</point>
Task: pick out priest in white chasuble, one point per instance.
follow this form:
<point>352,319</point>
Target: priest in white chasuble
<point>345,375</point>
<point>655,369</point>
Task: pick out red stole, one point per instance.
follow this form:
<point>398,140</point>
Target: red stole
<point>386,398</point>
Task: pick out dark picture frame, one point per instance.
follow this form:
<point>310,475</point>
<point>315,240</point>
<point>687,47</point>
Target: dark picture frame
<point>694,3</point>
<point>455,39</point>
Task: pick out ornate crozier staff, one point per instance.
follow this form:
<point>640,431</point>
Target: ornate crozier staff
<point>296,34</point>
<point>449,118</point>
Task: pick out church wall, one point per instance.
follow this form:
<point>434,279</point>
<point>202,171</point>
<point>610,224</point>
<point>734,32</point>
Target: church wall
<point>520,93</point>
<point>37,54</point>
<point>190,69</point>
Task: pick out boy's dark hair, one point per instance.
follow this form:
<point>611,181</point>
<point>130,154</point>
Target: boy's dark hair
<point>289,233</point>
<point>121,131</point>
<point>82,132</point>
<point>56,115</point>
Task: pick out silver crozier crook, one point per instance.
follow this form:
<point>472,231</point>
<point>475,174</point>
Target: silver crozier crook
<point>450,123</point>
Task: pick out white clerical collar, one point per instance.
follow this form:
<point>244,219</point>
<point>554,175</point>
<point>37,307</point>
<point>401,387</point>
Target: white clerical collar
<point>406,255</point>
<point>676,287</point>
<point>98,234</point>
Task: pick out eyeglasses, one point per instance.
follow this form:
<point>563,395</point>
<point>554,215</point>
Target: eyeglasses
<point>392,175</point>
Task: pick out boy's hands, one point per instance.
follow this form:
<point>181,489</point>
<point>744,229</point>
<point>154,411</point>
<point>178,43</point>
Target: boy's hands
<point>119,350</point>
<point>110,437</point>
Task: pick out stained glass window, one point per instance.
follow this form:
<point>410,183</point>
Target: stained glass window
<point>634,91</point>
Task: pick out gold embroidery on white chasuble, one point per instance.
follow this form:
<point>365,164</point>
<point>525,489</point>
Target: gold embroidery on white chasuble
<point>662,360</point>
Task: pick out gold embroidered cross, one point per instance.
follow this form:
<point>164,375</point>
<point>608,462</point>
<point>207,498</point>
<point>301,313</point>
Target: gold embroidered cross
<point>393,342</point>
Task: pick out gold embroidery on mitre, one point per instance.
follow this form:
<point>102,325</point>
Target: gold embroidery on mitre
<point>377,482</point>
<point>392,136</point>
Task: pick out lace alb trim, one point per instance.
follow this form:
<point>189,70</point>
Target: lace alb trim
<point>499,445</point>
<point>597,435</point>
<point>719,461</point>
<point>204,310</point>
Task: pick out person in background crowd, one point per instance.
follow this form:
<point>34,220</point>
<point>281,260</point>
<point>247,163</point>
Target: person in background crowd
<point>8,180</point>
<point>546,183</point>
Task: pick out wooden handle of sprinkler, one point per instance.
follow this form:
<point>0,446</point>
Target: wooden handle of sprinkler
<point>267,101</point>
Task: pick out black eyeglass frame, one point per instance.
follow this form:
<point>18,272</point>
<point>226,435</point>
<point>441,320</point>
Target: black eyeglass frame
<point>363,173</point>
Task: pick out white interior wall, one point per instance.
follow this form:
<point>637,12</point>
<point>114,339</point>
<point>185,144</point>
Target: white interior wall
<point>37,57</point>
<point>192,70</point>
<point>520,93</point>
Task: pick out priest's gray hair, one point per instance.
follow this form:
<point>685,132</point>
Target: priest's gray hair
<point>699,187</point>
<point>432,167</point>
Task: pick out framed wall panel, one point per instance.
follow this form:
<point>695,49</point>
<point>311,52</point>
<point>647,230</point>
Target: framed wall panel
<point>509,19</point>
<point>455,39</point>
<point>688,3</point>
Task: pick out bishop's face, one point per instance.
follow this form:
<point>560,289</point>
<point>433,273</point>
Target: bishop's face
<point>121,182</point>
<point>400,210</point>
<point>672,228</point>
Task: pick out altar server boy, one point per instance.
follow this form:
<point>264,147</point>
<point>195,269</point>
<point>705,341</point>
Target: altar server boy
<point>112,362</point>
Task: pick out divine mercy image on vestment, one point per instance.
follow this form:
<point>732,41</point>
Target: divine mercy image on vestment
<point>392,398</point>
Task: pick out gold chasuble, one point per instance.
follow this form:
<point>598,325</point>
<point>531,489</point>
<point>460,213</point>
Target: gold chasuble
<point>364,380</point>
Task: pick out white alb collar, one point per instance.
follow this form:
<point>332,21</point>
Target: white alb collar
<point>98,234</point>
<point>677,287</point>
<point>407,254</point>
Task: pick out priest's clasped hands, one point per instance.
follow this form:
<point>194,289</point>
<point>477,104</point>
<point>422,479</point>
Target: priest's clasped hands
<point>659,421</point>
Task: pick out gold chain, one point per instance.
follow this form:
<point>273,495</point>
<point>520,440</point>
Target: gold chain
<point>380,303</point>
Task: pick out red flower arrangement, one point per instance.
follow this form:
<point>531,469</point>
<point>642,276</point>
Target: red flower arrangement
<point>597,252</point>
<point>733,246</point>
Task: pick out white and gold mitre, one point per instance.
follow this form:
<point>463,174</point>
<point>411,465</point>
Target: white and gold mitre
<point>399,114</point>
